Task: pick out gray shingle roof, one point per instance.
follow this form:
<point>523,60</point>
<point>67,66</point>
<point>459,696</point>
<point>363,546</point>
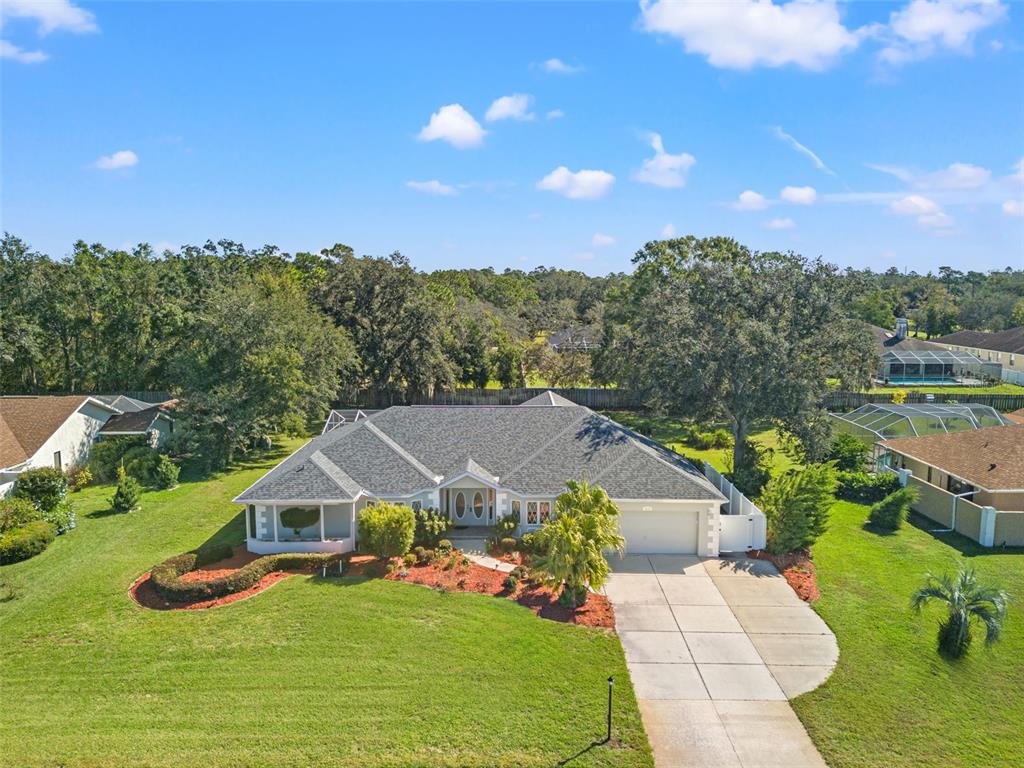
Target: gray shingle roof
<point>531,449</point>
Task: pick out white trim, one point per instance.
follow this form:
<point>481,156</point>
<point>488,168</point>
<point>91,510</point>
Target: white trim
<point>446,482</point>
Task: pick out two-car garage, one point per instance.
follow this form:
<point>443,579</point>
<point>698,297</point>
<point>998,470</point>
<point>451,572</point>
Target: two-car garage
<point>660,526</point>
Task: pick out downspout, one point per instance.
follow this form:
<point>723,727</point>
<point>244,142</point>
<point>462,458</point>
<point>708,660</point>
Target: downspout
<point>952,523</point>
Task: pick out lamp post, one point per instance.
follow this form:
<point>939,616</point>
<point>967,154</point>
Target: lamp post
<point>611,685</point>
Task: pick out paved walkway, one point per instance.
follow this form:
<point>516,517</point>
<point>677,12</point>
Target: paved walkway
<point>715,648</point>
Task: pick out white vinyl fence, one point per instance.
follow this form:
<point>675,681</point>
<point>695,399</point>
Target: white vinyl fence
<point>1014,377</point>
<point>742,526</point>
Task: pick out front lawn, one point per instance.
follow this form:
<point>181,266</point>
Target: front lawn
<point>992,389</point>
<point>334,672</point>
<point>892,701</point>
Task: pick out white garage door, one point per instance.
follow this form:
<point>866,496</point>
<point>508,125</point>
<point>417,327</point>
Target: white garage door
<point>659,530</point>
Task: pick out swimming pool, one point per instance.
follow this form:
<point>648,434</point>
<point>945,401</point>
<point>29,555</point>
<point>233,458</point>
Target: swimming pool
<point>912,382</point>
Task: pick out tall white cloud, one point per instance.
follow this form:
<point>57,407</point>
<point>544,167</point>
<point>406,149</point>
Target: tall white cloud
<point>579,185</point>
<point>664,170</point>
<point>799,195</point>
<point>923,27</point>
<point>749,200</point>
<point>514,107</point>
<point>452,123</point>
<point>743,34</point>
<point>433,187</point>
<point>124,158</point>
<point>10,51</point>
<point>50,15</point>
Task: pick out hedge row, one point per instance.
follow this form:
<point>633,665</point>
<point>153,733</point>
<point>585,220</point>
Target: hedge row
<point>864,488</point>
<point>168,583</point>
<point>26,541</point>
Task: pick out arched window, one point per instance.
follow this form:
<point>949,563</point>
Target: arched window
<point>460,505</point>
<point>478,504</point>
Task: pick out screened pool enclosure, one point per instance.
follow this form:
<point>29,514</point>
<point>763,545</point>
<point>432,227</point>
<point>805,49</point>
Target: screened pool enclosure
<point>883,421</point>
<point>905,366</point>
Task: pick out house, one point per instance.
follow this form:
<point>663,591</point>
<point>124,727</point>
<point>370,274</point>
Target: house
<point>1003,347</point>
<point>59,431</point>
<point>477,464</point>
<point>47,431</point>
<point>908,360</point>
<point>970,481</point>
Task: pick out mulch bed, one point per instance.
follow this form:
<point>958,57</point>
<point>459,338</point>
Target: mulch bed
<point>798,570</point>
<point>144,593</point>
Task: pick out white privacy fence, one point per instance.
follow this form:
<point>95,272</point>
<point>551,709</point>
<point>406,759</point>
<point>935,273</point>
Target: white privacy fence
<point>1014,377</point>
<point>742,525</point>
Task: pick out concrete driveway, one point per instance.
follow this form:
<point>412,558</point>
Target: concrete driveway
<point>715,648</point>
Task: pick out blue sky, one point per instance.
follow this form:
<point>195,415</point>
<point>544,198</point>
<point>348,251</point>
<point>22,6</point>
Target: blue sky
<point>873,134</point>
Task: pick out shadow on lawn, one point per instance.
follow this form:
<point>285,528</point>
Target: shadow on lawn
<point>965,546</point>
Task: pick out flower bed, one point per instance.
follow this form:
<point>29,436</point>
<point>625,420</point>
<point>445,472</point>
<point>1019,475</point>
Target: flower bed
<point>797,569</point>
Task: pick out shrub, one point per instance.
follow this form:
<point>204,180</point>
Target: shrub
<point>26,541</point>
<point>444,546</point>
<point>528,543</point>
<point>297,518</point>
<point>391,568</point>
<point>78,477</point>
<point>429,555</point>
<point>797,504</point>
<point>403,573</point>
<point>509,583</point>
<point>864,488</point>
<point>508,545</point>
<point>848,453</point>
<point>106,455</point>
<point>410,560</point>
<point>386,530</point>
<point>63,517</point>
<point>166,474</point>
<point>420,553</point>
<point>449,563</point>
<point>430,527</point>
<point>15,513</point>
<point>45,487</point>
<point>889,513</point>
<point>520,572</point>
<point>141,463</point>
<point>126,495</point>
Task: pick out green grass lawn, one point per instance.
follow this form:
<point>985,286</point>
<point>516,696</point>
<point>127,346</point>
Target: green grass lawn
<point>994,389</point>
<point>892,700</point>
<point>335,672</point>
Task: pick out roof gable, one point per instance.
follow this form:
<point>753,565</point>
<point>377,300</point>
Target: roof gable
<point>26,422</point>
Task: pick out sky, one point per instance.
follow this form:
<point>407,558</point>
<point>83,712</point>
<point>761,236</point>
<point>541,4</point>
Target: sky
<point>517,135</point>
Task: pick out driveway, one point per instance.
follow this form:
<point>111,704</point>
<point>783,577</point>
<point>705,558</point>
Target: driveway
<point>715,648</point>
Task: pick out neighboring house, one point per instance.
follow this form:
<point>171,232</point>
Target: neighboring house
<point>138,419</point>
<point>971,481</point>
<point>476,464</point>
<point>1003,347</point>
<point>1017,417</point>
<point>575,339</point>
<point>47,431</point>
<point>906,360</point>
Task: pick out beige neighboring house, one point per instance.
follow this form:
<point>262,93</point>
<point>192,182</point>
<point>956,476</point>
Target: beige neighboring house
<point>970,481</point>
<point>1004,347</point>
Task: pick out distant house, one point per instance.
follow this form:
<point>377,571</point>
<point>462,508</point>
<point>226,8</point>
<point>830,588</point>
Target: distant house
<point>908,360</point>
<point>1003,347</point>
<point>970,481</point>
<point>59,431</point>
<point>575,339</point>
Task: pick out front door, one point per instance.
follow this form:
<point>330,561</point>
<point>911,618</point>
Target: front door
<point>469,506</point>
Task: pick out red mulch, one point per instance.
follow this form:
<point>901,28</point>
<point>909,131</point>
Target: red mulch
<point>145,594</point>
<point>798,570</point>
<point>596,612</point>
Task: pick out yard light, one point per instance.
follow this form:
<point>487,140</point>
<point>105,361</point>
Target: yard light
<point>611,685</point>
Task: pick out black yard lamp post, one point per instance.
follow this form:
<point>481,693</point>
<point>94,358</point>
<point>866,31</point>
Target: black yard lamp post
<point>611,685</point>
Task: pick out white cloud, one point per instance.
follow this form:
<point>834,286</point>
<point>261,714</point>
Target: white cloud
<point>928,213</point>
<point>124,158</point>
<point>164,245</point>
<point>953,176</point>
<point>799,195</point>
<point>1018,170</point>
<point>803,150</point>
<point>1013,208</point>
<point>11,51</point>
<point>452,123</point>
<point>780,224</point>
<point>559,67</point>
<point>432,187</point>
<point>664,170</point>
<point>514,107</point>
<point>50,15</point>
<point>669,230</point>
<point>600,240</point>
<point>749,200</point>
<point>747,33</point>
<point>581,185</point>
<point>555,114</point>
<point>923,27</point>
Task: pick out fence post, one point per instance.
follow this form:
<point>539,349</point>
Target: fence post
<point>987,527</point>
<point>905,475</point>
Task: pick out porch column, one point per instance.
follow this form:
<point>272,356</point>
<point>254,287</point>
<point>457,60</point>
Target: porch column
<point>352,524</point>
<point>248,533</point>
<point>273,519</point>
<point>322,523</point>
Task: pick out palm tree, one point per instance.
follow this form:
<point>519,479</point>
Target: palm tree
<point>967,602</point>
<point>573,542</point>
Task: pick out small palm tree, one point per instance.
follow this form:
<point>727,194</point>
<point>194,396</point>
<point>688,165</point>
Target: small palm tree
<point>967,602</point>
<point>573,542</point>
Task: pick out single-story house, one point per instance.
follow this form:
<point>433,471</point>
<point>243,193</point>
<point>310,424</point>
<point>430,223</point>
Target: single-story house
<point>477,464</point>
<point>1003,347</point>
<point>970,481</point>
<point>904,359</point>
<point>59,431</point>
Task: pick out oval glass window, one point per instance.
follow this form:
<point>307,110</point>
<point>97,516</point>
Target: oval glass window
<point>460,504</point>
<point>478,504</point>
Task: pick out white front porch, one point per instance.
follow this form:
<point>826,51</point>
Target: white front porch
<point>301,527</point>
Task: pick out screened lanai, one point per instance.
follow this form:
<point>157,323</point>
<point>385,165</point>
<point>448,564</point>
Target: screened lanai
<point>934,365</point>
<point>882,421</point>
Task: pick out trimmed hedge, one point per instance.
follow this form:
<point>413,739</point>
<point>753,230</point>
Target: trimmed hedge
<point>168,583</point>
<point>26,541</point>
<point>864,488</point>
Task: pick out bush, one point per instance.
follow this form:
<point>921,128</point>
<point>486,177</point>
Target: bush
<point>45,487</point>
<point>126,495</point>
<point>297,518</point>
<point>26,541</point>
<point>78,477</point>
<point>429,555</point>
<point>168,583</point>
<point>797,504</point>
<point>510,582</point>
<point>106,455</point>
<point>528,544</point>
<point>166,474</point>
<point>387,530</point>
<point>848,453</point>
<point>410,560</point>
<point>63,517</point>
<point>889,513</point>
<point>420,553</point>
<point>449,563</point>
<point>444,546</point>
<point>508,545</point>
<point>864,488</point>
<point>141,462</point>
<point>431,525</point>
<point>15,513</point>
<point>520,572</point>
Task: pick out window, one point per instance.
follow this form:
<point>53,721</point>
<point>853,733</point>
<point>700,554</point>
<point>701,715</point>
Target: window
<point>252,521</point>
<point>929,474</point>
<point>56,460</point>
<point>956,487</point>
<point>531,513</point>
<point>460,505</point>
<point>478,505</point>
<point>545,511</point>
<point>517,510</point>
<point>417,506</point>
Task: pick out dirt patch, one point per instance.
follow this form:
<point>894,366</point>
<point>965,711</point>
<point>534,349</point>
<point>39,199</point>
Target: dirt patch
<point>596,612</point>
<point>797,568</point>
